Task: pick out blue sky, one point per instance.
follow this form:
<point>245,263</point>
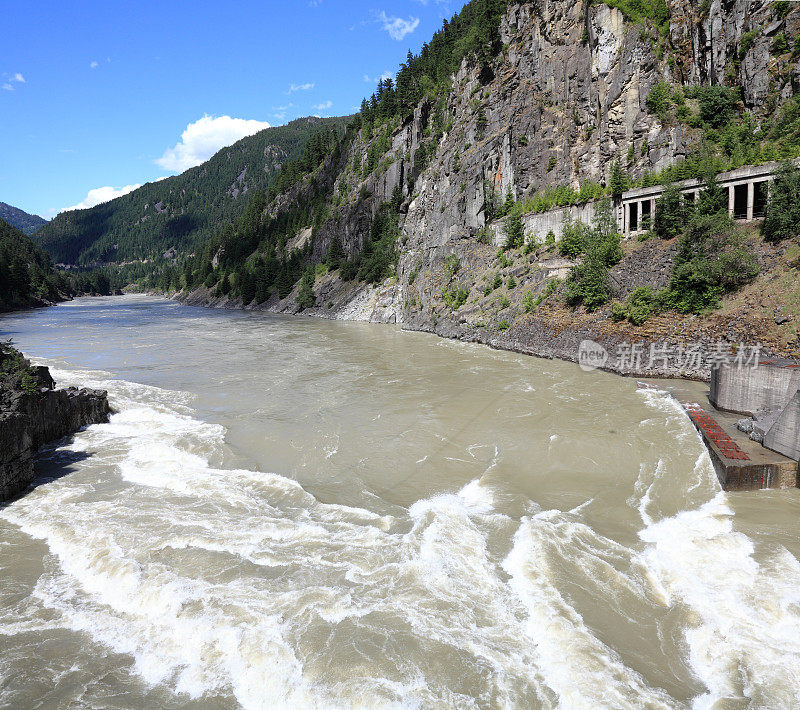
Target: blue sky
<point>99,96</point>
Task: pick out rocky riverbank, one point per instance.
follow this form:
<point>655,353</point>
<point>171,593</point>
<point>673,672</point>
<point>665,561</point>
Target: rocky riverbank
<point>667,345</point>
<point>33,413</point>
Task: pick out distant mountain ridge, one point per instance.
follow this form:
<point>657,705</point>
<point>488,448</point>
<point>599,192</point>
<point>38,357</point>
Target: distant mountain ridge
<point>27,223</point>
<point>181,212</point>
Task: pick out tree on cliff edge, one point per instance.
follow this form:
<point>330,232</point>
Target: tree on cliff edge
<point>782,219</point>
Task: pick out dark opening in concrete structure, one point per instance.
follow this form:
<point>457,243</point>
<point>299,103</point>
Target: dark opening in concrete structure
<point>740,201</point>
<point>634,217</point>
<point>646,217</point>
<point>760,198</point>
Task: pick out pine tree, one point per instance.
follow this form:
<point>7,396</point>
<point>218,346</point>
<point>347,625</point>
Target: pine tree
<point>247,285</point>
<point>782,218</point>
<point>618,182</point>
<point>670,217</point>
<point>305,296</point>
<point>713,199</point>
<point>509,202</point>
<point>335,255</point>
<point>285,283</point>
<point>515,233</point>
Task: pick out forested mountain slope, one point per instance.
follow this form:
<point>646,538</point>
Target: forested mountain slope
<point>418,214</point>
<point>23,221</point>
<point>27,276</point>
<point>180,212</point>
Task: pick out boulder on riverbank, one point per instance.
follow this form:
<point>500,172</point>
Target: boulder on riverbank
<point>33,413</point>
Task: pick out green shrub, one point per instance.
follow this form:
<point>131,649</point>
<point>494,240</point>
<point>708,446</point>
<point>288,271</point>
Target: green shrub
<point>574,238</point>
<point>505,261</point>
<point>379,250</point>
<point>527,301</point>
<point>550,239</point>
<point>503,325</point>
<point>656,11</point>
<point>531,244</point>
<point>781,8</point>
<point>640,305</point>
<point>659,99</point>
<point>348,270</point>
<point>511,282</point>
<point>335,255</point>
<point>16,372</point>
<point>747,41</point>
<point>497,282</point>
<point>618,311</point>
<point>782,218</point>
<point>455,297</point>
<point>305,296</point>
<point>588,282</point>
<point>713,257</point>
<point>670,216</point>
<point>717,103</point>
<point>504,302</point>
<point>485,234</point>
<point>452,264</point>
<point>779,44</point>
<point>712,199</point>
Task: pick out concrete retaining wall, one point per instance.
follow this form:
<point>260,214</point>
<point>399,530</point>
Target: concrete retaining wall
<point>746,390</point>
<point>784,435</point>
<point>539,224</point>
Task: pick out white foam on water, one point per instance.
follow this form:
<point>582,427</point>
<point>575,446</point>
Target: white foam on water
<point>582,670</point>
<point>222,581</point>
<point>743,634</point>
<point>743,616</point>
<point>198,635</point>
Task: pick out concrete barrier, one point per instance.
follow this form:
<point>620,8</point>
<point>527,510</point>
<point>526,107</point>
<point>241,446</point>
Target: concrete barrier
<point>784,435</point>
<point>746,390</point>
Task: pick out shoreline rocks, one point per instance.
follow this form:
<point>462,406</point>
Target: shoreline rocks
<point>33,413</point>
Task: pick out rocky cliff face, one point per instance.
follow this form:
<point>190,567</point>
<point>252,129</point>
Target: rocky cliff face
<point>35,416</point>
<point>566,99</point>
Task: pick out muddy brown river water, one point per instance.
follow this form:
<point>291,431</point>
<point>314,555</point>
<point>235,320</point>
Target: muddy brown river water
<point>290,512</point>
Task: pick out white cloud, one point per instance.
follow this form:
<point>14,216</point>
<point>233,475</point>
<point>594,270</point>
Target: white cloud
<point>205,137</point>
<point>94,65</point>
<point>100,195</point>
<point>300,87</point>
<point>279,113</point>
<point>374,80</point>
<point>397,27</point>
<point>323,106</point>
<point>12,79</point>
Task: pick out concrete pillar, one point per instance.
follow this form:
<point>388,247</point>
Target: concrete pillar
<point>730,201</point>
<point>751,199</point>
<point>652,212</point>
<point>626,217</point>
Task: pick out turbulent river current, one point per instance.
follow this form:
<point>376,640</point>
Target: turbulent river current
<point>290,512</point>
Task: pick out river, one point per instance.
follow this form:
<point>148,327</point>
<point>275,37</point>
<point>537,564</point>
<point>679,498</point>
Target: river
<point>292,512</point>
